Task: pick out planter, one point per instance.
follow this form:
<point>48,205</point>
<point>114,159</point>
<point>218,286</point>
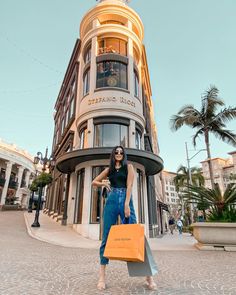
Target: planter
<point>215,235</point>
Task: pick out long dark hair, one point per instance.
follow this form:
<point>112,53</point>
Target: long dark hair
<point>113,161</point>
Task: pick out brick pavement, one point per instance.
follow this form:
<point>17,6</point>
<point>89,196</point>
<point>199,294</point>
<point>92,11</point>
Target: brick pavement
<point>29,267</point>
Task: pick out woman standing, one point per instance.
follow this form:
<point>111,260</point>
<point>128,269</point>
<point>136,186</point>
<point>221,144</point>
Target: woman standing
<point>118,180</point>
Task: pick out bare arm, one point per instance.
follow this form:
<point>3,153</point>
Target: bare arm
<point>129,183</point>
<point>98,180</point>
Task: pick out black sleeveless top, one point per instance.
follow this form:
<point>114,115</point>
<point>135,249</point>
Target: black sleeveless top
<point>118,177</point>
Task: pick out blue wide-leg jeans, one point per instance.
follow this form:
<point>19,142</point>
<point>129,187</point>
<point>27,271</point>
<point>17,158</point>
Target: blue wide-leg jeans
<point>115,206</point>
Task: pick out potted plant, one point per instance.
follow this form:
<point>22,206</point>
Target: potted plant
<point>218,230</point>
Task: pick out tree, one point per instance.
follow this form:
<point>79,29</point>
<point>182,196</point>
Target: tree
<point>221,205</point>
<point>182,181</point>
<point>207,120</point>
<point>182,177</point>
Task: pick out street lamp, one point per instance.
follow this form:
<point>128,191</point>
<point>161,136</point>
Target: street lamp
<point>189,173</point>
<point>44,160</point>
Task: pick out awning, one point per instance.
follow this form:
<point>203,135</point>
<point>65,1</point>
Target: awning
<point>66,163</point>
<point>163,206</point>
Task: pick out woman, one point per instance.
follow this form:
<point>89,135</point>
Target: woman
<point>118,180</point>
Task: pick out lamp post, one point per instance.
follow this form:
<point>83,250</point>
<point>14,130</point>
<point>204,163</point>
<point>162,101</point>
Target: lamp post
<point>189,173</point>
<point>44,160</point>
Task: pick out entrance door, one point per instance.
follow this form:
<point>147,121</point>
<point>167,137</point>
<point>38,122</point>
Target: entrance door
<point>97,201</point>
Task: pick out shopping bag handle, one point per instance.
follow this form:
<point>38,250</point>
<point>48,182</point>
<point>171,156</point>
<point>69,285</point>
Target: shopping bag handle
<point>126,220</point>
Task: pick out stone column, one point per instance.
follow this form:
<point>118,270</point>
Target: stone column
<point>132,134</point>
<point>130,67</point>
<point>93,66</point>
<point>19,179</point>
<point>27,177</point>
<point>7,177</point>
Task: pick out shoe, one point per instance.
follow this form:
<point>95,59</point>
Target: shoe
<point>101,285</point>
<point>151,285</point>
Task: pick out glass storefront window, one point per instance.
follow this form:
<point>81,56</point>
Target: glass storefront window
<point>112,45</point>
<point>79,197</point>
<point>141,213</point>
<point>108,135</point>
<point>96,197</point>
<point>86,82</point>
<point>112,74</point>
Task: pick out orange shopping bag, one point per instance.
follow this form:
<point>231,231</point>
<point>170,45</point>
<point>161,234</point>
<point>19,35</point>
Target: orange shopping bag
<point>125,242</point>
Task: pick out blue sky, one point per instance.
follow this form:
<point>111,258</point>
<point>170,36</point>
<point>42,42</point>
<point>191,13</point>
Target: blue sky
<point>190,45</point>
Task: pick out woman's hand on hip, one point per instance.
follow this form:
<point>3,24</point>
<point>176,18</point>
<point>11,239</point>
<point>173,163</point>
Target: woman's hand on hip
<point>127,210</point>
<point>107,184</point>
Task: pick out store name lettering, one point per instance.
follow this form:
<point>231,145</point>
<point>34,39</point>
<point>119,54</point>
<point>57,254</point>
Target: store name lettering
<point>111,99</point>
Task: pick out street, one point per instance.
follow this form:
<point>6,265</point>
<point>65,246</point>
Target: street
<point>29,266</point>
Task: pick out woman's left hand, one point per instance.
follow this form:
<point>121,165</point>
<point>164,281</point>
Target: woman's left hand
<point>127,210</point>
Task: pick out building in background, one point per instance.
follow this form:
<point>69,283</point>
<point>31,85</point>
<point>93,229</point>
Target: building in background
<point>16,173</point>
<point>105,100</point>
<point>171,195</point>
<point>224,171</point>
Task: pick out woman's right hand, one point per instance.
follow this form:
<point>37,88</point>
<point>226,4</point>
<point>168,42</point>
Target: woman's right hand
<point>107,184</point>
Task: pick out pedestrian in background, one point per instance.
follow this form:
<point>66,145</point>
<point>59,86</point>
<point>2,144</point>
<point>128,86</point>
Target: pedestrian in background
<point>172,224</point>
<point>180,226</point>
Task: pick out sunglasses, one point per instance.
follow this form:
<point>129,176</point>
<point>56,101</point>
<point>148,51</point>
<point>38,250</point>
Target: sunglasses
<point>119,152</point>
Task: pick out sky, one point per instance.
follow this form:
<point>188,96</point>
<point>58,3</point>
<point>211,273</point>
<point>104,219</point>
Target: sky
<point>190,45</point>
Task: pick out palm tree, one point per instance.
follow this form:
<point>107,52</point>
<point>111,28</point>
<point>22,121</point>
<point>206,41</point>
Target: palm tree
<point>207,120</point>
<point>181,180</point>
<point>182,177</point>
<point>214,199</point>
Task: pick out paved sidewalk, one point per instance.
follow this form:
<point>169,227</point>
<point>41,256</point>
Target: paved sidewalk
<point>32,267</point>
<point>54,233</point>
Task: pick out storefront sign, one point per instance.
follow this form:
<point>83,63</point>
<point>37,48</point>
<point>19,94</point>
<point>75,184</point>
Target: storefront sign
<point>111,99</point>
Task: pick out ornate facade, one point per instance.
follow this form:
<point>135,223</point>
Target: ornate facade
<point>16,174</point>
<point>105,100</point>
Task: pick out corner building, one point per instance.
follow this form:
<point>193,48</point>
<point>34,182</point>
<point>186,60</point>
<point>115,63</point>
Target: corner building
<point>105,100</point>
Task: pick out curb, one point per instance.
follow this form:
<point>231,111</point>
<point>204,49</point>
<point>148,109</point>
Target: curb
<point>32,235</point>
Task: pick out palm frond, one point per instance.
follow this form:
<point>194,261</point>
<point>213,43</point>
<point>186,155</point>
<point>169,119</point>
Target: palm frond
<point>196,135</point>
<point>226,115</point>
<point>210,102</point>
<point>225,135</point>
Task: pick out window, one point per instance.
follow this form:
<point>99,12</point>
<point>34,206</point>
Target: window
<point>87,55</point>
<point>108,135</point>
<point>96,197</point>
<point>112,74</point>
<point>83,138</point>
<point>135,56</point>
<point>140,196</point>
<point>115,22</point>
<point>86,82</point>
<point>138,139</point>
<point>136,84</point>
<point>79,197</point>
<point>112,45</point>
<point>72,106</point>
